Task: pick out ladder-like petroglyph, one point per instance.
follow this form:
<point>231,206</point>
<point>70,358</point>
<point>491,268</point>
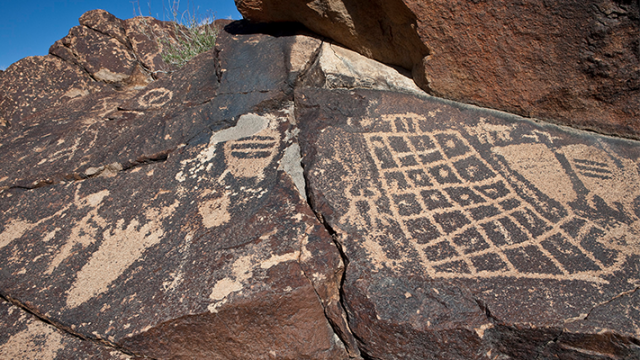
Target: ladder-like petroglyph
<point>474,207</point>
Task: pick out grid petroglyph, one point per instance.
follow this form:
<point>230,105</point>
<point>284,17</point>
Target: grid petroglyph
<point>496,211</point>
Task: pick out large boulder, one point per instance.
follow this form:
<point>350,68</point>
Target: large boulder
<point>571,62</point>
<point>281,196</point>
<point>174,215</point>
<point>472,234</point>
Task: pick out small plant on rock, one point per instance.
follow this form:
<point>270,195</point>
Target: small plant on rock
<point>192,34</point>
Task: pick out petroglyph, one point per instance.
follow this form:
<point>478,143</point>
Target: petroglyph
<point>242,270</point>
<point>215,211</point>
<point>538,164</point>
<point>599,173</point>
<point>14,230</point>
<point>38,341</point>
<point>248,147</point>
<point>470,208</point>
<point>155,98</point>
<point>248,157</point>
<point>85,231</point>
<point>117,252</point>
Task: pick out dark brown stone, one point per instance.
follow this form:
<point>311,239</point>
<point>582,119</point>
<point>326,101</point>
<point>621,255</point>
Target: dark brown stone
<point>221,237</point>
<point>174,215</point>
<point>575,62</point>
<point>37,83</point>
<point>471,233</point>
<point>106,23</point>
<point>283,197</point>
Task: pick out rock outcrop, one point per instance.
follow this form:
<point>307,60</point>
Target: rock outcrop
<point>281,196</point>
<point>575,62</point>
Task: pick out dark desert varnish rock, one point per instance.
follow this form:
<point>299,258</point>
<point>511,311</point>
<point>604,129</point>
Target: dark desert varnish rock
<point>170,220</point>
<point>284,197</point>
<point>26,337</point>
<point>471,233</point>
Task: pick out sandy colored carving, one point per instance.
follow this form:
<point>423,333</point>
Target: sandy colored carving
<point>215,212</point>
<point>17,228</point>
<point>155,98</point>
<point>38,341</point>
<point>602,176</point>
<point>248,157</point>
<point>538,164</point>
<point>465,217</point>
<point>242,270</point>
<point>250,129</point>
<point>121,247</point>
<point>84,232</point>
<point>14,230</point>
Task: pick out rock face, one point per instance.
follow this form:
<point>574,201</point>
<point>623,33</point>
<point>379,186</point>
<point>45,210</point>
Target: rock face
<point>174,215</point>
<point>312,204</point>
<point>24,336</point>
<point>575,62</point>
<point>470,233</point>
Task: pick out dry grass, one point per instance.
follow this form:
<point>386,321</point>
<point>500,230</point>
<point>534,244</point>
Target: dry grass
<point>192,34</point>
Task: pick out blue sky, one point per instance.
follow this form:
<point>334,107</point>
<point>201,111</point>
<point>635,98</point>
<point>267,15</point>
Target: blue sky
<point>30,27</point>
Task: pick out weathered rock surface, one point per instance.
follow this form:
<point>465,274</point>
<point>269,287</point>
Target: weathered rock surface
<point>283,197</point>
<point>24,336</point>
<point>575,62</point>
<point>102,50</point>
<point>173,216</point>
<point>113,51</point>
<point>471,233</point>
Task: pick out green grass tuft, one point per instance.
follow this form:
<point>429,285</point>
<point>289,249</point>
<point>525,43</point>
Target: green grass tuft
<point>192,35</point>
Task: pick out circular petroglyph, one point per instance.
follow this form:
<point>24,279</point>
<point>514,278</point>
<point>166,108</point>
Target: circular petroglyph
<point>155,98</point>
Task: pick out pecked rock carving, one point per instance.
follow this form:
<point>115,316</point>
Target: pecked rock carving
<point>449,201</point>
<point>312,204</point>
<point>463,225</point>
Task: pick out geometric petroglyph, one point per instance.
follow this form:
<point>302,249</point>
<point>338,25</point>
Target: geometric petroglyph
<point>248,157</point>
<point>155,98</point>
<point>472,218</point>
<point>249,147</point>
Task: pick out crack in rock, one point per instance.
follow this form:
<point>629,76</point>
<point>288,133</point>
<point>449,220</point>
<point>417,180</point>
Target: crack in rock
<point>67,330</point>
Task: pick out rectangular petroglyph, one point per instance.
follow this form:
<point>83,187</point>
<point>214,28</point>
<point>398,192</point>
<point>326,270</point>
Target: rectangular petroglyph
<point>503,212</point>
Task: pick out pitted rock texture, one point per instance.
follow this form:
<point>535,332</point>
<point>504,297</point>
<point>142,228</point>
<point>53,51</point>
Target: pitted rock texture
<point>283,197</point>
<point>575,62</point>
<point>223,243</point>
<point>102,53</point>
<point>471,233</point>
<point>26,337</point>
<point>116,51</point>
<point>174,219</point>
